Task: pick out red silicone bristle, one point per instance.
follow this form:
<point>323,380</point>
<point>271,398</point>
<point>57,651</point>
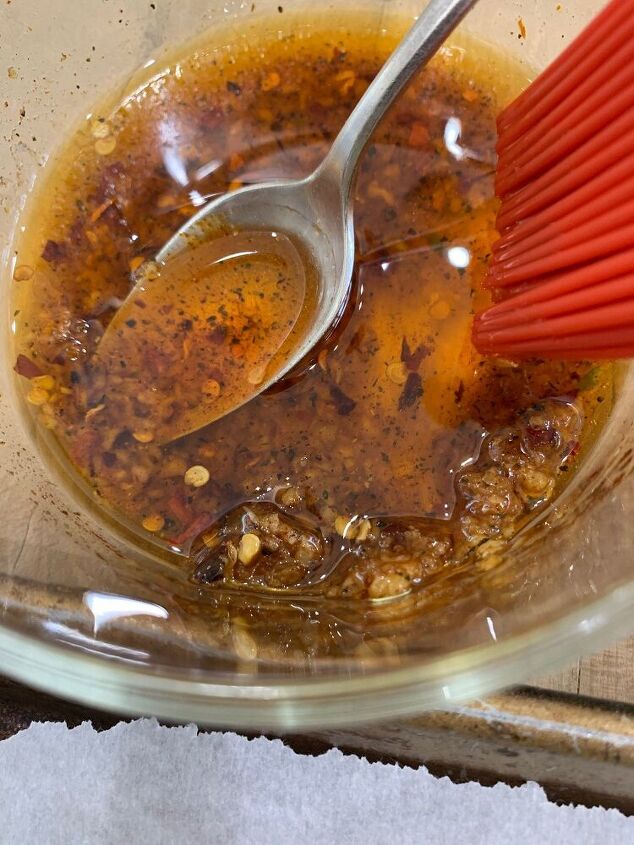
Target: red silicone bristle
<point>578,323</point>
<point>611,187</point>
<point>552,338</point>
<point>603,352</point>
<point>565,129</point>
<point>568,139</point>
<point>591,38</point>
<point>614,143</point>
<point>589,71</point>
<point>540,290</point>
<point>565,177</point>
<point>615,290</point>
<point>590,250</point>
<point>615,342</point>
<point>565,234</point>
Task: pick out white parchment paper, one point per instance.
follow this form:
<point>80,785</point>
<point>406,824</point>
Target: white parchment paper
<point>140,782</point>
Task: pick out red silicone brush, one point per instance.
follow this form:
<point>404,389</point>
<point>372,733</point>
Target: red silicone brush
<point>563,267</point>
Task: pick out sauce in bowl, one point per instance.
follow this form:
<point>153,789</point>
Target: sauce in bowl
<point>398,451</point>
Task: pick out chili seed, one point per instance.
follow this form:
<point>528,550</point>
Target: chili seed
<point>440,310</point>
<point>47,417</point>
<point>197,476</point>
<point>343,526</point>
<point>249,548</point>
<point>46,382</point>
<point>212,387</point>
<point>99,129</point>
<point>388,586</point>
<point>363,529</point>
<point>23,273</point>
<point>289,497</point>
<point>105,146</point>
<point>244,645</point>
<point>143,436</point>
<point>270,81</point>
<point>153,523</point>
<point>94,411</point>
<point>256,375</point>
<point>166,201</point>
<point>397,372</point>
<point>37,396</point>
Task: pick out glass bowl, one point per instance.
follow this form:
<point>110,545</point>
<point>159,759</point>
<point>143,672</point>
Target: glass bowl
<point>84,615</point>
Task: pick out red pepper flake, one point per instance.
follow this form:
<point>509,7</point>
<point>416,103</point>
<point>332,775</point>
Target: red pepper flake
<point>123,439</point>
<point>110,183</point>
<point>339,55</point>
<point>356,341</point>
<point>85,447</point>
<point>343,403</point>
<point>178,508</point>
<point>113,217</point>
<point>76,234</point>
<point>413,360</point>
<point>157,361</point>
<point>217,335</point>
<point>210,118</point>
<point>194,528</point>
<point>27,368</point>
<point>101,209</point>
<point>418,136</point>
<point>109,459</point>
<point>412,391</point>
<point>53,252</point>
<point>405,118</point>
<point>541,436</point>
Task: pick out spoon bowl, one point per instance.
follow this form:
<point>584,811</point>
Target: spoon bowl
<point>312,212</point>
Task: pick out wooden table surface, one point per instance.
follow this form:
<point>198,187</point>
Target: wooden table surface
<point>608,675</point>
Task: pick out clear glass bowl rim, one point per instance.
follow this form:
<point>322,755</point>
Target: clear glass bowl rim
<point>279,704</point>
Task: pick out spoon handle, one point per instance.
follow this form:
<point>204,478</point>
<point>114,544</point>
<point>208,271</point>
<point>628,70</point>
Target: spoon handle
<point>435,23</point>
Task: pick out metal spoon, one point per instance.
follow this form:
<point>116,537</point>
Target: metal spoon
<point>317,210</point>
